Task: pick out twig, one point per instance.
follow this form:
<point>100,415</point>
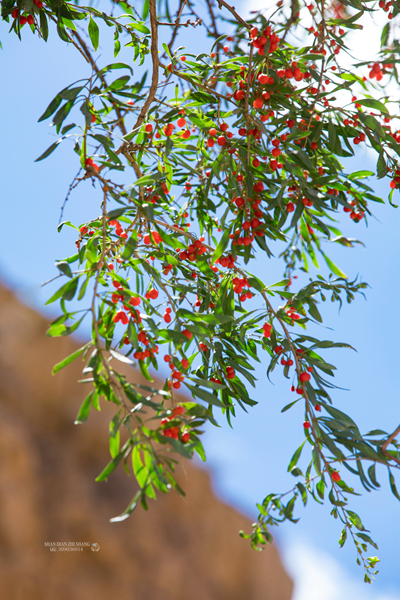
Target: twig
<point>389,441</point>
<point>234,13</point>
<point>155,61</point>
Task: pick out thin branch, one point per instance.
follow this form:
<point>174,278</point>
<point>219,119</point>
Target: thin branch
<point>155,61</point>
<point>389,441</point>
<point>234,13</point>
<point>95,68</point>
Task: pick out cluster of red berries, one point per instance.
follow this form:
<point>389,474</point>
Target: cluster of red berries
<point>395,183</point>
<point>246,240</point>
<point>221,139</point>
<point>238,285</point>
<point>167,315</point>
<point>193,251</point>
<point>376,72</point>
<point>386,7</point>
<point>355,214</point>
<point>226,261</point>
<point>143,339</point>
<point>152,238</point>
<point>169,129</point>
<point>152,294</point>
<point>85,230</point>
<point>121,315</point>
<point>26,19</point>
<point>176,374</point>
<point>267,329</point>
<point>118,229</point>
<point>89,163</point>
<point>260,39</point>
<point>230,373</point>
<point>173,432</point>
<point>292,313</point>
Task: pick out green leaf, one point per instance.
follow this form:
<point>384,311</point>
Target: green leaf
<point>117,212</point>
<point>113,66</point>
<point>49,150</point>
<point>61,225</point>
<point>52,107</point>
<point>381,167</point>
<point>67,291</point>
<point>393,486</point>
<point>371,103</point>
<point>129,509</point>
<point>367,539</point>
<point>68,360</point>
<point>385,35</point>
<point>166,50</point>
<point>130,247</point>
<point>355,519</point>
<point>141,472</point>
<point>84,409</point>
<point>343,537</point>
<point>146,179</point>
<point>112,465</point>
<point>285,408</point>
<point>59,329</point>
<point>203,395</point>
<point>94,33</point>
<point>294,460</point>
<point>64,267</point>
<point>333,267</point>
<point>44,26</point>
<point>221,246</point>
<point>61,31</point>
<point>118,84</point>
<point>321,488</point>
<point>140,27</point>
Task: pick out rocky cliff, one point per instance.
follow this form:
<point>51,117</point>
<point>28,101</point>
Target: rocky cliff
<point>182,549</point>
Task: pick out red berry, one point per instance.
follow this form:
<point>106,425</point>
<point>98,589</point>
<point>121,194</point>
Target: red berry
<point>306,424</point>
<point>185,437</point>
<point>267,328</point>
<point>304,377</point>
<point>335,476</point>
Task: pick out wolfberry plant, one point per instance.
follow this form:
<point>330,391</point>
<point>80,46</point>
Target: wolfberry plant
<point>204,164</point>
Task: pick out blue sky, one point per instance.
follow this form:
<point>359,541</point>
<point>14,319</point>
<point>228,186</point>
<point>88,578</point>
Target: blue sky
<point>250,460</point>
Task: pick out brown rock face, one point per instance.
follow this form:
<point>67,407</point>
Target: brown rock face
<point>182,549</point>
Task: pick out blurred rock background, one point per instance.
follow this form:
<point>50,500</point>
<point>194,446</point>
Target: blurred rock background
<point>181,549</point>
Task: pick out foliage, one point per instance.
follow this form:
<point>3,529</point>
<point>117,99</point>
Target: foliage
<point>243,142</point>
